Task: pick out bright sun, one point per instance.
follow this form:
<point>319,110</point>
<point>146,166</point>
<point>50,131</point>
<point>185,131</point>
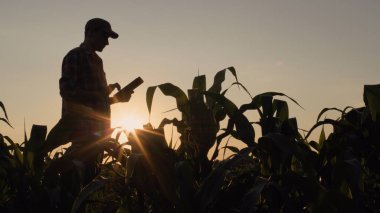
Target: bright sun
<point>132,123</point>
<point>129,122</point>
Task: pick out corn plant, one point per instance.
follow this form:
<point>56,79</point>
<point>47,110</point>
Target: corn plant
<point>201,117</point>
<point>290,174</point>
<point>21,171</point>
<point>348,158</point>
<point>260,170</point>
<point>283,171</point>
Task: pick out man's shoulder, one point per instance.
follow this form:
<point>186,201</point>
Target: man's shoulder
<point>75,53</point>
<point>76,50</point>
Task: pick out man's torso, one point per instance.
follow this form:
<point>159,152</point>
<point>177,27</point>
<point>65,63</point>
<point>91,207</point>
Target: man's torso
<point>82,71</point>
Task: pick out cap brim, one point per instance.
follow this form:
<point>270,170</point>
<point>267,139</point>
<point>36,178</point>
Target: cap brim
<point>112,34</point>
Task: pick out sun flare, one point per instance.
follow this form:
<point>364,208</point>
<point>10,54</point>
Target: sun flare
<point>132,123</point>
<point>129,122</point>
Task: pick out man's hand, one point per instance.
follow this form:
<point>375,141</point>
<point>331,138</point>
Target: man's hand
<point>124,97</point>
<point>112,87</point>
<point>121,97</point>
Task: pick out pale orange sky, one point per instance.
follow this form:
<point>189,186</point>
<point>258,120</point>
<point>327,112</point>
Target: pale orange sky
<point>319,52</point>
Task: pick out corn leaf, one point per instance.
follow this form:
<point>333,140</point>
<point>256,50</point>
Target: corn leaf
<point>217,85</point>
<point>212,184</point>
<point>88,191</point>
<point>232,149</point>
<point>249,201</point>
<point>282,109</point>
<point>200,83</point>
<point>149,98</point>
<point>327,109</point>
<point>244,88</point>
<point>29,160</point>
<point>16,150</point>
<point>290,127</point>
<point>56,137</point>
<point>6,121</point>
<point>257,101</point>
<point>37,138</point>
<point>25,137</point>
<point>322,137</point>
<point>372,99</point>
<point>131,164</point>
<point>243,127</point>
<point>186,188</point>
<point>326,121</point>
<point>267,104</point>
<point>228,105</point>
<point>315,145</point>
<point>3,108</point>
<point>169,89</point>
<point>225,147</point>
<point>219,138</point>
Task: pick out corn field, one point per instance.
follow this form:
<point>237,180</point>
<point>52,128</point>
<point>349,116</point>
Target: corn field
<point>281,171</point>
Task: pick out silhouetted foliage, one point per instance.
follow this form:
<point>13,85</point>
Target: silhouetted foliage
<point>281,171</point>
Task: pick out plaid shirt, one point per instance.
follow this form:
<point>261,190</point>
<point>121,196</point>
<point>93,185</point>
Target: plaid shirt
<point>84,90</point>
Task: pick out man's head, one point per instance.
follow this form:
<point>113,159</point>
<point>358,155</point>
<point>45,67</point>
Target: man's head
<point>97,31</point>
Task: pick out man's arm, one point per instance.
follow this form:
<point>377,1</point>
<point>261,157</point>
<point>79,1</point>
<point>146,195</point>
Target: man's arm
<point>69,82</point>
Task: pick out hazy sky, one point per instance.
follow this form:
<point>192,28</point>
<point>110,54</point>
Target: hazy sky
<point>319,52</point>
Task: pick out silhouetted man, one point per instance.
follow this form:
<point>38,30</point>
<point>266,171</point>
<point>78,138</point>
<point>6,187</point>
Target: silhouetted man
<point>85,104</point>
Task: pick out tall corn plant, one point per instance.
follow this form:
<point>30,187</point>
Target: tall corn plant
<point>201,116</point>
<point>280,140</point>
<point>348,158</point>
<point>275,158</point>
<point>291,174</point>
<point>22,170</point>
<point>146,181</point>
<point>195,183</point>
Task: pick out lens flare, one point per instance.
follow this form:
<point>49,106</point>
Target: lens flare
<point>128,123</point>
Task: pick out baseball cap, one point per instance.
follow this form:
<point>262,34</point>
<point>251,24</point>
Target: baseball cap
<point>101,24</point>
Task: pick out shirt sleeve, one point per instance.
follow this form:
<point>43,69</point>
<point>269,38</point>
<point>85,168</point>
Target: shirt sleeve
<point>68,83</point>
